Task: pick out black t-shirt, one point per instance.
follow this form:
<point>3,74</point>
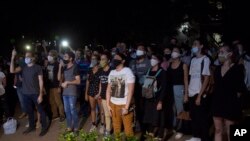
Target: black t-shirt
<point>52,70</point>
<point>103,75</point>
<point>30,81</point>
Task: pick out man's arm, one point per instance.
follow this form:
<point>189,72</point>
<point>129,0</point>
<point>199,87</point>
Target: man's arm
<point>12,65</point>
<point>77,81</point>
<point>40,98</point>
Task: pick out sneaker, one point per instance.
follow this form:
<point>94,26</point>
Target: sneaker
<point>178,136</point>
<point>22,115</point>
<point>43,132</point>
<point>61,119</point>
<point>101,130</point>
<point>29,130</point>
<point>194,139</point>
<point>27,125</point>
<point>93,128</point>
<point>55,118</point>
<point>107,133</point>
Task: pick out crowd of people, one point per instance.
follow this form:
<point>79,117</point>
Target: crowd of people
<point>157,90</point>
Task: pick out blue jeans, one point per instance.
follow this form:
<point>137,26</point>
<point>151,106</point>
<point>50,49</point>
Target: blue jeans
<point>28,100</point>
<point>71,111</point>
<point>178,100</point>
<point>20,97</point>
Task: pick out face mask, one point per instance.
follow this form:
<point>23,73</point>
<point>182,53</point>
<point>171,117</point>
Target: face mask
<point>28,60</point>
<point>116,62</point>
<point>139,53</point>
<point>175,55</point>
<point>133,55</point>
<point>195,50</point>
<point>222,57</point>
<point>93,63</point>
<point>153,62</point>
<point>65,61</point>
<point>113,53</point>
<point>50,58</point>
<point>103,64</point>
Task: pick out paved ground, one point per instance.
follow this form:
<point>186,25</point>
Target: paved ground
<point>53,134</point>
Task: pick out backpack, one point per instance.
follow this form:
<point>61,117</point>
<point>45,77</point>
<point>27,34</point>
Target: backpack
<point>149,88</point>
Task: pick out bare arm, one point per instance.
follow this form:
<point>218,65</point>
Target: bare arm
<point>108,96</point>
<point>87,89</point>
<point>131,87</point>
<point>12,66</point>
<point>204,85</point>
<point>40,78</point>
<point>77,81</point>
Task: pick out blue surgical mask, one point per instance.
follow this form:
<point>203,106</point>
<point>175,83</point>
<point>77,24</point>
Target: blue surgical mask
<point>195,50</point>
<point>28,60</point>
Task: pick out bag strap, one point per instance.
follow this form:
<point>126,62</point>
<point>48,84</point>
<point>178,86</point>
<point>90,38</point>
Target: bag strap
<point>158,72</point>
<point>148,72</point>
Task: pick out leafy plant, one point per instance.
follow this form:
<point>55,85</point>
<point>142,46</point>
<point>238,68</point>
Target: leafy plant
<point>91,136</point>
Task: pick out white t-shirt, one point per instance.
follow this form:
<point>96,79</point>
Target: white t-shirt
<point>195,73</point>
<point>119,81</point>
<point>2,90</point>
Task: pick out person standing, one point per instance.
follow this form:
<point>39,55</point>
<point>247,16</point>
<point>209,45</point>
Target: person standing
<point>120,90</point>
<point>69,75</point>
<point>229,85</point>
<point>54,88</point>
<point>103,75</point>
<point>32,88</point>
<point>199,78</point>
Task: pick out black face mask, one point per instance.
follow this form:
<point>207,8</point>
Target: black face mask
<point>116,62</point>
<point>167,56</point>
<point>65,61</point>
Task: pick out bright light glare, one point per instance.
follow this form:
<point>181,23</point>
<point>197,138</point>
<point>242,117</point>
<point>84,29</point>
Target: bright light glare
<point>28,47</point>
<point>65,43</point>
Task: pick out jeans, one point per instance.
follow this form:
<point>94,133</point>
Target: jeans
<point>178,101</point>
<point>29,100</point>
<point>20,97</point>
<point>71,111</point>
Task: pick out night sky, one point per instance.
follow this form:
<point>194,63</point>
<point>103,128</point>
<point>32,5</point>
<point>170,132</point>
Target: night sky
<point>107,23</point>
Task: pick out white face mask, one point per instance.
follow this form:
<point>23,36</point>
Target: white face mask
<point>153,62</point>
<point>139,53</point>
<point>50,58</point>
<point>175,55</point>
<point>28,60</point>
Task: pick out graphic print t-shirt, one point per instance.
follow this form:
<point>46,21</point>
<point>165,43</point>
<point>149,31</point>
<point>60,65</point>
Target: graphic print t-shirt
<point>119,81</point>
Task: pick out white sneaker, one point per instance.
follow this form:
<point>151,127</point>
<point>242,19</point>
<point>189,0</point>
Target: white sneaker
<point>194,139</point>
<point>101,130</point>
<point>93,128</point>
<point>27,125</point>
<point>178,136</point>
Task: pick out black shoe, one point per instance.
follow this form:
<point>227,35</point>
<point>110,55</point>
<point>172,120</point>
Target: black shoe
<point>61,119</point>
<point>43,132</point>
<point>30,129</point>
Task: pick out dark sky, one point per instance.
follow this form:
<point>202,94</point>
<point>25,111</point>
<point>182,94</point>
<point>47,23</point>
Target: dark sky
<point>103,21</point>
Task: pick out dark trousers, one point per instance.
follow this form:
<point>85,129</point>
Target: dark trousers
<point>30,100</point>
<point>199,118</point>
<point>4,108</point>
<point>84,105</point>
